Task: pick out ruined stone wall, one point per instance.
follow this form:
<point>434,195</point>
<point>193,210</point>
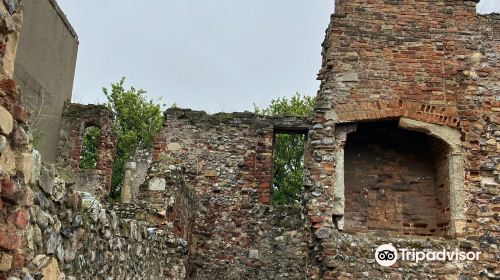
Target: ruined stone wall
<point>48,230</point>
<point>51,231</point>
<point>434,62</point>
<point>142,159</point>
<point>76,118</point>
<point>16,157</point>
<point>71,234</point>
<point>227,161</point>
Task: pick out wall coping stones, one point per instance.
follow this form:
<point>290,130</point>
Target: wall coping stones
<point>279,122</point>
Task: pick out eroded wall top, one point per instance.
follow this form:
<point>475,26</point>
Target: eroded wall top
<point>429,52</point>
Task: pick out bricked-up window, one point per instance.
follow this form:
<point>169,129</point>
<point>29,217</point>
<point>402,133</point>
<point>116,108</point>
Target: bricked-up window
<point>90,142</point>
<point>288,164</point>
<point>396,180</point>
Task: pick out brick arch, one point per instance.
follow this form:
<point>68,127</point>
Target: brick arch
<point>455,168</point>
<point>377,110</point>
<point>91,123</point>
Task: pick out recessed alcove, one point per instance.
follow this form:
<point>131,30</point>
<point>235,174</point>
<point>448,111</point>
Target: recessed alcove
<point>402,177</point>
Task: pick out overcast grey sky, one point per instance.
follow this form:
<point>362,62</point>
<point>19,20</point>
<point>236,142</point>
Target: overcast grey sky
<point>217,55</point>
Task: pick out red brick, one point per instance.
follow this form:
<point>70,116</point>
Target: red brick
<point>9,239</point>
<point>8,188</point>
<point>20,114</point>
<point>20,218</point>
<point>8,86</point>
<point>3,47</point>
<point>264,199</point>
<point>18,260</point>
<point>316,219</point>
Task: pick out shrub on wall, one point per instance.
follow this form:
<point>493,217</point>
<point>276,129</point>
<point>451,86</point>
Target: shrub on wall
<point>136,121</point>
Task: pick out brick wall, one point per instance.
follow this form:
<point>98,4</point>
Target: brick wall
<point>390,182</point>
<point>440,153</point>
<point>432,61</point>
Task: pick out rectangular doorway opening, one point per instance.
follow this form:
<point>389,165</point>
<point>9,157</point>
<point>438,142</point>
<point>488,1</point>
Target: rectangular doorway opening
<point>288,166</point>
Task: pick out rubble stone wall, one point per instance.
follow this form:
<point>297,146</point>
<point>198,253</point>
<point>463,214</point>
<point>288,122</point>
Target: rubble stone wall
<point>435,62</point>
<point>16,156</point>
<point>227,161</point>
<point>48,230</point>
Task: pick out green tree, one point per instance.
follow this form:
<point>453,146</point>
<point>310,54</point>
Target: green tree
<point>288,149</point>
<point>137,120</point>
<point>88,155</point>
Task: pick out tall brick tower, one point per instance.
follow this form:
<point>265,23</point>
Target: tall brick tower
<point>406,137</point>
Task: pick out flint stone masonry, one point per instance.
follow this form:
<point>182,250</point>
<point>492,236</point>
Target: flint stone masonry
<point>227,160</point>
<point>224,149</point>
<point>13,154</point>
<point>71,234</point>
<point>279,252</point>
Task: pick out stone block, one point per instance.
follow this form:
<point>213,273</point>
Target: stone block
<point>20,218</point>
<point>157,184</point>
<point>347,77</point>
<point>47,267</point>
<point>24,165</point>
<point>323,233</point>
<point>5,262</point>
<point>11,5</point>
<point>20,114</point>
<point>130,165</point>
<point>18,260</point>
<point>6,122</point>
<point>19,137</point>
<point>9,239</point>
<point>210,173</point>
<point>47,178</point>
<point>9,189</point>
<point>37,166</point>
<point>73,201</point>
<point>3,142</point>
<point>7,162</point>
<point>253,254</point>
<point>174,147</point>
